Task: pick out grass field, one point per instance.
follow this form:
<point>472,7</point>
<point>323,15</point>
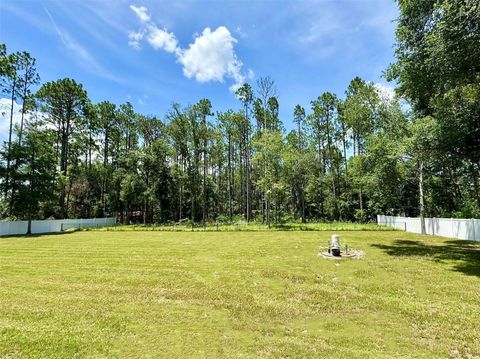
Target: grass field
<point>238,295</point>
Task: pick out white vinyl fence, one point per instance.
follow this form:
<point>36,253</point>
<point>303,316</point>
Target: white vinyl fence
<point>445,227</point>
<point>52,225</point>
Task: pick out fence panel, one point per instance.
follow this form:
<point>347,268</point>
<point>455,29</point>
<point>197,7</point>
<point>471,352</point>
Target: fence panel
<point>446,227</point>
<point>52,225</point>
<point>13,227</point>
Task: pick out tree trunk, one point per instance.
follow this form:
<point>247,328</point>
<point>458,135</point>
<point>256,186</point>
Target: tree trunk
<point>421,197</point>
<point>105,163</point>
<point>29,227</point>
<point>20,133</point>
<point>242,179</point>
<point>268,211</point>
<point>476,185</point>
<point>322,172</point>
<point>303,202</point>
<point>332,168</point>
<point>7,174</point>
<point>219,199</point>
<point>344,147</point>
<point>360,191</point>
<point>248,177</point>
<point>145,200</point>
<point>204,204</point>
<point>145,206</point>
<point>30,186</point>
<point>230,187</point>
<point>24,96</point>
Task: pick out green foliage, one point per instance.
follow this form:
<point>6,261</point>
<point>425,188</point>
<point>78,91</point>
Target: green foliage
<point>458,113</point>
<point>437,70</point>
<point>347,159</point>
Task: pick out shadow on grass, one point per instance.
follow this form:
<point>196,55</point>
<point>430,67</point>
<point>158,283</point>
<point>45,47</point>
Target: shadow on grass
<point>465,254</point>
<point>36,235</point>
<point>292,227</point>
<point>331,227</point>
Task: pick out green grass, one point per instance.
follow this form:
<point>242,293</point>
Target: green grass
<point>238,295</point>
<point>248,227</point>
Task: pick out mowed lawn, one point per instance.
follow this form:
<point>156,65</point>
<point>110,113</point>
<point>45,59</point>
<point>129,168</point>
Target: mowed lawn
<point>238,295</point>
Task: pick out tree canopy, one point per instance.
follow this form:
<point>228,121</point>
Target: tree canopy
<point>349,156</point>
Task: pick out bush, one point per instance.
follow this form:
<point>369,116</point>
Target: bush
<point>361,216</point>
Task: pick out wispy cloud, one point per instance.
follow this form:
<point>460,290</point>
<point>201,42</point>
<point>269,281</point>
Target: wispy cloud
<point>81,55</point>
<point>158,38</point>
<point>134,38</point>
<point>27,16</point>
<point>89,22</point>
<point>141,12</point>
<point>142,100</point>
<point>329,29</point>
<point>70,43</point>
<point>240,32</point>
<point>107,11</point>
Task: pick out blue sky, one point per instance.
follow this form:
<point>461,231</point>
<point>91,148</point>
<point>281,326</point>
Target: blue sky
<point>154,53</point>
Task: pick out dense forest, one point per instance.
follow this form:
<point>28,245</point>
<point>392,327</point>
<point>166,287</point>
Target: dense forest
<point>349,157</point>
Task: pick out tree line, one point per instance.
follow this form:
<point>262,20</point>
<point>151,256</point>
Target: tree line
<point>347,158</point>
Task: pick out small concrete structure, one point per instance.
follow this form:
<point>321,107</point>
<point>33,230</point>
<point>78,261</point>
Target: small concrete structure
<point>335,252</point>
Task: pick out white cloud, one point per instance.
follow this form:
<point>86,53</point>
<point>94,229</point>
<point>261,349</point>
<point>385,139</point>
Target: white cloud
<point>141,12</point>
<point>156,37</point>
<point>134,39</point>
<point>211,56</point>
<point>161,39</point>
<point>386,92</point>
<point>5,107</point>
